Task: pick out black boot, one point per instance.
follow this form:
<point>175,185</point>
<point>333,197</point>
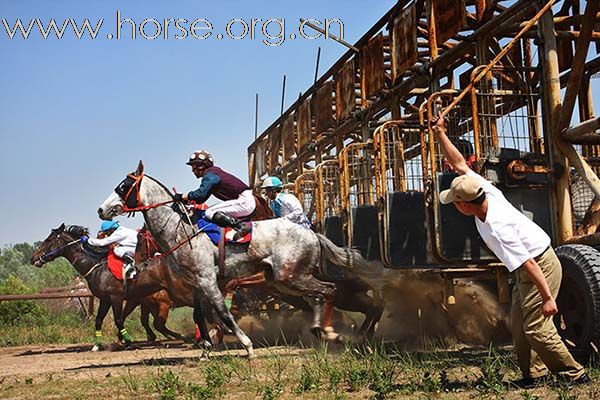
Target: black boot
<point>129,266</point>
<point>226,221</point>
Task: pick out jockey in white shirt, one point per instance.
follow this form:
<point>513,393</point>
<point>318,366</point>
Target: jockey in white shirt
<point>284,205</point>
<point>125,240</point>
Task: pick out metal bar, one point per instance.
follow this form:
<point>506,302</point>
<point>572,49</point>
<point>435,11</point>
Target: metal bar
<point>283,94</point>
<point>256,117</point>
<point>583,132</point>
<point>581,50</point>
<point>41,296</point>
<point>317,66</point>
<point>329,35</point>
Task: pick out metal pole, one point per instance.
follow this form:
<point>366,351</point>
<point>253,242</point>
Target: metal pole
<point>317,67</point>
<point>282,94</point>
<point>256,117</point>
<point>329,35</point>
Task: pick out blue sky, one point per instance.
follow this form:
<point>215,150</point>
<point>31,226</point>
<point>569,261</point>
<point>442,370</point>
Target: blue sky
<point>77,115</point>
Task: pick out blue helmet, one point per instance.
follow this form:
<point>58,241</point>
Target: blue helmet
<point>272,182</point>
<point>108,225</point>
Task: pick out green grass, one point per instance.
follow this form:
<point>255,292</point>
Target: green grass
<point>60,327</point>
<point>372,372</point>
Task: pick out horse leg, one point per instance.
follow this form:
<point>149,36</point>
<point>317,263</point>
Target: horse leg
<point>145,320</point>
<point>160,321</point>
<point>215,297</point>
<point>315,292</point>
<point>202,334</point>
<point>117,308</point>
<point>102,311</point>
<point>355,299</point>
<point>130,305</point>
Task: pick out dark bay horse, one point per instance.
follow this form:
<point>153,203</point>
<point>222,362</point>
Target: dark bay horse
<point>155,288</point>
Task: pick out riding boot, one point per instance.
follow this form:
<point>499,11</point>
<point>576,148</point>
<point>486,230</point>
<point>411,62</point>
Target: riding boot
<point>224,220</point>
<point>130,270</point>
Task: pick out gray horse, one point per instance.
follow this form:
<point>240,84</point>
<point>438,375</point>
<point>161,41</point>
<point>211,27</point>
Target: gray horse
<point>287,253</point>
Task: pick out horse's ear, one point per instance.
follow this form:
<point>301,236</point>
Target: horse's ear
<point>140,169</point>
<point>61,227</point>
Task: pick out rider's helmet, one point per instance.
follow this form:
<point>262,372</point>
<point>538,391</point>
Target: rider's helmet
<point>108,225</point>
<point>201,158</point>
<point>272,182</point>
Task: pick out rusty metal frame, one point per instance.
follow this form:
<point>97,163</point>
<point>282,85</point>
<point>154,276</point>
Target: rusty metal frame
<point>301,185</point>
<point>321,193</point>
<point>367,191</point>
<point>524,23</point>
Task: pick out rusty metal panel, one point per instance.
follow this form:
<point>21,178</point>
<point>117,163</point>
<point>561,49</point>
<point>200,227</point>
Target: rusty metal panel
<point>304,125</point>
<point>287,137</point>
<point>565,53</point>
<point>324,116</point>
<point>274,147</point>
<point>260,159</point>
<point>345,94</point>
<point>404,42</point>
<point>372,68</point>
<point>451,17</point>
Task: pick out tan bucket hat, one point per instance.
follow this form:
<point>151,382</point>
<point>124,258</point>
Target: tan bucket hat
<point>463,188</point>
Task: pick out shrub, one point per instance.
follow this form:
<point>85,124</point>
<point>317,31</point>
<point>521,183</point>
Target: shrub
<point>15,312</point>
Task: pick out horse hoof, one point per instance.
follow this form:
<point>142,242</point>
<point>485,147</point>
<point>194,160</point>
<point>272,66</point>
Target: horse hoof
<point>96,347</point>
<point>252,356</point>
<point>332,336</point>
<point>216,336</point>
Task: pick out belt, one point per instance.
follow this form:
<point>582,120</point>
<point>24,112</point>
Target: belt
<point>537,258</point>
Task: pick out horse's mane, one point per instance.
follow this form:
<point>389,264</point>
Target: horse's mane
<point>159,183</point>
<point>76,231</point>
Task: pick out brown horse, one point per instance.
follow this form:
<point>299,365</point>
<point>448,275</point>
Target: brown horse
<point>148,289</point>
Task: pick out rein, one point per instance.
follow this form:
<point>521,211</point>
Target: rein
<point>56,251</point>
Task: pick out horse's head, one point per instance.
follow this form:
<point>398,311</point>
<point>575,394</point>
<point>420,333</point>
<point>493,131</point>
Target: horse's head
<point>126,195</point>
<point>58,240</point>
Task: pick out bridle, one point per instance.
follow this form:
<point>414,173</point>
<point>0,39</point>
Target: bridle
<point>131,197</point>
<point>44,257</point>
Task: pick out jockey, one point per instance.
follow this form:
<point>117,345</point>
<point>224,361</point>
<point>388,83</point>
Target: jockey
<point>238,199</point>
<point>284,205</point>
<point>125,240</point>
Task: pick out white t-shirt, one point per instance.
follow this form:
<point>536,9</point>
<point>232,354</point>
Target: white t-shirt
<point>511,236</point>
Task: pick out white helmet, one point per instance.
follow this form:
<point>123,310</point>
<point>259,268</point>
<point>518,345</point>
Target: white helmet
<point>272,182</point>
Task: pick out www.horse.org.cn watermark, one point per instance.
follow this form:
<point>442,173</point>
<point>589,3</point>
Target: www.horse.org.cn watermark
<point>271,32</point>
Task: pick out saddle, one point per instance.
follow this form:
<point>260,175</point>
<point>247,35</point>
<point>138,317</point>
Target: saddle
<point>218,235</point>
<point>115,265</point>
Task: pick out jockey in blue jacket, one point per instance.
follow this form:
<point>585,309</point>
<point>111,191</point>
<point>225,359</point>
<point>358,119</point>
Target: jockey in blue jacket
<point>238,199</point>
<point>284,205</point>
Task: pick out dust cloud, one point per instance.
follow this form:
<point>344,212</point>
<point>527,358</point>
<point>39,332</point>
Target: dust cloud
<point>415,314</point>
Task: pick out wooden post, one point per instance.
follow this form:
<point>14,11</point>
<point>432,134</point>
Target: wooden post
<point>551,102</point>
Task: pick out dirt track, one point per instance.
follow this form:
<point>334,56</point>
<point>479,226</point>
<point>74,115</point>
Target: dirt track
<point>74,360</point>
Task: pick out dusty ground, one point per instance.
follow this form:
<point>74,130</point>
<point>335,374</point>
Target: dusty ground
<point>174,370</point>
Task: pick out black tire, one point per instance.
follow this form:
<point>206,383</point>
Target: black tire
<point>578,318</point>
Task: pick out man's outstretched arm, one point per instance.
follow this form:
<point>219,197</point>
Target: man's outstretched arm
<point>454,157</point>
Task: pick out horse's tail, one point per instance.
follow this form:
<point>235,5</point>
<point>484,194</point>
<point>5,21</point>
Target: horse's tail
<point>341,256</point>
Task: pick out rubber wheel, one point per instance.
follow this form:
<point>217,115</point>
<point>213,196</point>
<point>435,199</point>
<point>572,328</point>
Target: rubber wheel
<point>578,318</point>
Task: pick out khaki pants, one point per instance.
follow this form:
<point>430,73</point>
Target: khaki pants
<point>537,342</point>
